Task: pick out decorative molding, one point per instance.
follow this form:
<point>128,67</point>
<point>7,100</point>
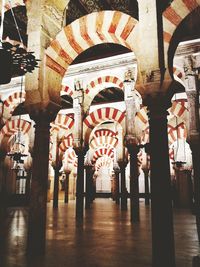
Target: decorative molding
<point>188,48</point>
<point>127,59</point>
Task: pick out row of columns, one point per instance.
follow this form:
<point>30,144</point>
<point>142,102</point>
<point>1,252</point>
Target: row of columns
<point>162,222</point>
<point>162,219</point>
<point>39,185</point>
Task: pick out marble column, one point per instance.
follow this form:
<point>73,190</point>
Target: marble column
<point>163,252</point>
<point>56,186</point>
<point>191,67</point>
<point>89,186</point>
<point>134,184</point>
<point>39,185</point>
<point>80,184</point>
<point>66,195</point>
<point>124,192</point>
<point>146,185</point>
<point>117,184</point>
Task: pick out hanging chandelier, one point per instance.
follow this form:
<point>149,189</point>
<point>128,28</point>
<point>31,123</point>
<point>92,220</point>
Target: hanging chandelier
<point>15,59</point>
<point>17,154</point>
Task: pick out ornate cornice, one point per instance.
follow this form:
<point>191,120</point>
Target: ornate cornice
<point>127,59</point>
<point>188,48</point>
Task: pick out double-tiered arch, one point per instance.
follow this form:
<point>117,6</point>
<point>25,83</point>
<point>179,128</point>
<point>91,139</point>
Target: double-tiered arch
<point>82,34</point>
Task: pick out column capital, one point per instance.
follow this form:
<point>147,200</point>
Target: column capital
<point>43,114</point>
<point>80,151</point>
<point>191,65</point>
<point>122,163</point>
<point>157,106</point>
<point>130,140</point>
<point>57,166</point>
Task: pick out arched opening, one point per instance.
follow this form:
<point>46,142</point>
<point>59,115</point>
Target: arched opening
<point>108,95</point>
<point>101,51</point>
<point>186,32</point>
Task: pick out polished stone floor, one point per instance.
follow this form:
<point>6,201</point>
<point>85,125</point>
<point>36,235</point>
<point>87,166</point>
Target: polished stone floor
<point>106,238</point>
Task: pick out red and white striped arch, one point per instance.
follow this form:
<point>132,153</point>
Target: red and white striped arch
<point>179,75</point>
<point>101,152</point>
<point>106,141</point>
<point>63,120</point>
<point>11,103</point>
<point>66,143</point>
<point>174,15</point>
<point>141,118</point>
<point>101,115</point>
<point>102,80</point>
<point>104,161</point>
<point>174,133</point>
<point>99,84</point>
<point>62,126</point>
<point>105,132</point>
<point>11,127</point>
<point>90,30</point>
<point>69,159</point>
<point>179,109</point>
<point>177,132</point>
<point>66,90</point>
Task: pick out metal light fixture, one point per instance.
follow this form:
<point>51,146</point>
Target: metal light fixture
<point>17,156</point>
<point>15,60</point>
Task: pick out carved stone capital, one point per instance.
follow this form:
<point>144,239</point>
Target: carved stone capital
<point>122,164</point>
<point>80,151</point>
<point>131,144</point>
<point>157,105</point>
<point>42,115</point>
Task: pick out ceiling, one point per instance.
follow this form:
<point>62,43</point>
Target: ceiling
<point>10,27</point>
<point>79,8</point>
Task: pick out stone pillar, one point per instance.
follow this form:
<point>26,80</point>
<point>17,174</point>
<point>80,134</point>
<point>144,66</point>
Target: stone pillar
<point>191,65</point>
<point>117,191</point>
<point>163,252</point>
<point>196,167</point>
<point>39,185</point>
<point>124,192</point>
<point>94,178</point>
<point>80,184</point>
<point>183,188</point>
<point>134,184</point>
<point>56,186</point>
<point>66,196</point>
<point>146,185</point>
<point>89,187</point>
<point>133,101</point>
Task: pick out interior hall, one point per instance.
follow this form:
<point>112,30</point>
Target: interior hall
<point>100,133</point>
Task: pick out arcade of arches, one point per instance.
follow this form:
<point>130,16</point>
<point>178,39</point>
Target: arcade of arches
<point>112,112</point>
